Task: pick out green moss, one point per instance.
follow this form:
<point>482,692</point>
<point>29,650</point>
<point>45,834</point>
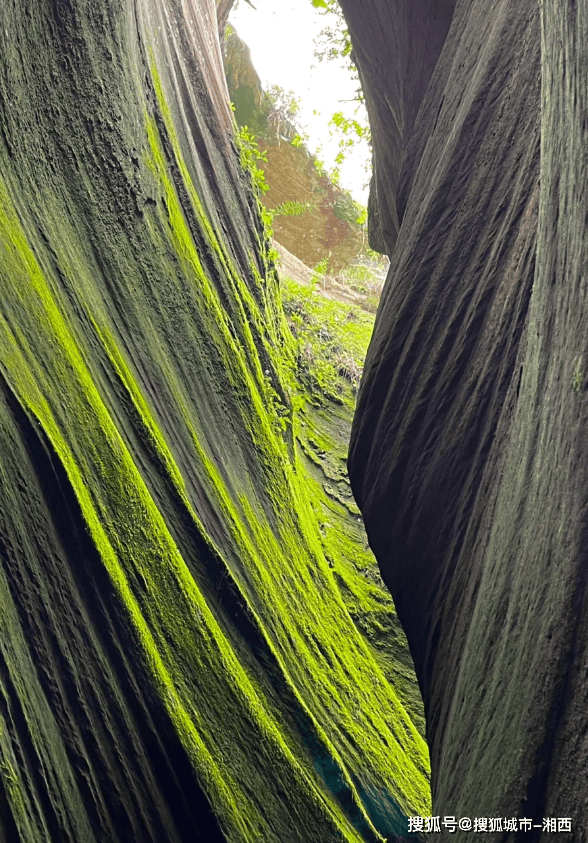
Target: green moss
<point>9,782</point>
<point>160,379</point>
<point>262,548</point>
<point>132,538</point>
<point>332,340</point>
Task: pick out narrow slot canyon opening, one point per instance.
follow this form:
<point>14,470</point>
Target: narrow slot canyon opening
<point>196,641</point>
<point>330,279</point>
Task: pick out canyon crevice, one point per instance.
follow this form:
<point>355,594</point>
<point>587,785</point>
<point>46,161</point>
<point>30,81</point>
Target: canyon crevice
<point>187,650</point>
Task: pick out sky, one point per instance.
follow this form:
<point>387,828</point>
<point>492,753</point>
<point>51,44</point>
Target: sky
<point>280,34</point>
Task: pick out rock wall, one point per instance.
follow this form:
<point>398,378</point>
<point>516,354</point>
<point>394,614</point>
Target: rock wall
<point>469,449</point>
<point>396,47</point>
<point>329,228</point>
<point>176,659</point>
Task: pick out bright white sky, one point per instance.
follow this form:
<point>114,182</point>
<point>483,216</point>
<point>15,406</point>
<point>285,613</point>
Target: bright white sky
<point>281,37</point>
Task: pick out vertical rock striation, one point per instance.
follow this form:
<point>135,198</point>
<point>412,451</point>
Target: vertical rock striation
<point>176,660</point>
<point>469,449</point>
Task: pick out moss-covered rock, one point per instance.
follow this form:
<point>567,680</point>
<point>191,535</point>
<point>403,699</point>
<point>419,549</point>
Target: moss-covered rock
<point>177,662</point>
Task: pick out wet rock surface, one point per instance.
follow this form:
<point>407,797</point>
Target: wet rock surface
<point>469,448</point>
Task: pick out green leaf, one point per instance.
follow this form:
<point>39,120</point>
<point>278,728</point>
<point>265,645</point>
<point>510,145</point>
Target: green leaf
<point>320,4</point>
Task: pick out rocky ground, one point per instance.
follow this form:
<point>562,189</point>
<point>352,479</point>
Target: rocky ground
<point>340,287</point>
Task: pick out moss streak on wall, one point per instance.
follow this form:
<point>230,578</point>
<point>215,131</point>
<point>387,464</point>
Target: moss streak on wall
<point>176,659</point>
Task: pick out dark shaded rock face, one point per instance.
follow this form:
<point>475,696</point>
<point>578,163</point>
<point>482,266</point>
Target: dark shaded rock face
<point>396,48</point>
<point>469,455</point>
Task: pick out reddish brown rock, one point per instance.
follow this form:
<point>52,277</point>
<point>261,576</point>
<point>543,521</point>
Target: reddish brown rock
<point>329,228</point>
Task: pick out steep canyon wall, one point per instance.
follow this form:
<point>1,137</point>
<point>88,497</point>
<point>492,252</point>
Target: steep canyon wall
<point>176,659</point>
<point>469,450</point>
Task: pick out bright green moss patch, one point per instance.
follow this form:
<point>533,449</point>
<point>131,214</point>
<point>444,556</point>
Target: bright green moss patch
<point>133,540</point>
<point>323,437</point>
<point>278,577</point>
<point>332,340</point>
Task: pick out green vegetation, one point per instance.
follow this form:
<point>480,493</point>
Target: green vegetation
<point>284,577</point>
<point>346,208</point>
<point>270,118</point>
<point>250,154</point>
<point>298,608</point>
<point>291,208</point>
<point>332,340</point>
<point>362,279</point>
<point>281,107</point>
<point>333,43</point>
<point>323,439</point>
